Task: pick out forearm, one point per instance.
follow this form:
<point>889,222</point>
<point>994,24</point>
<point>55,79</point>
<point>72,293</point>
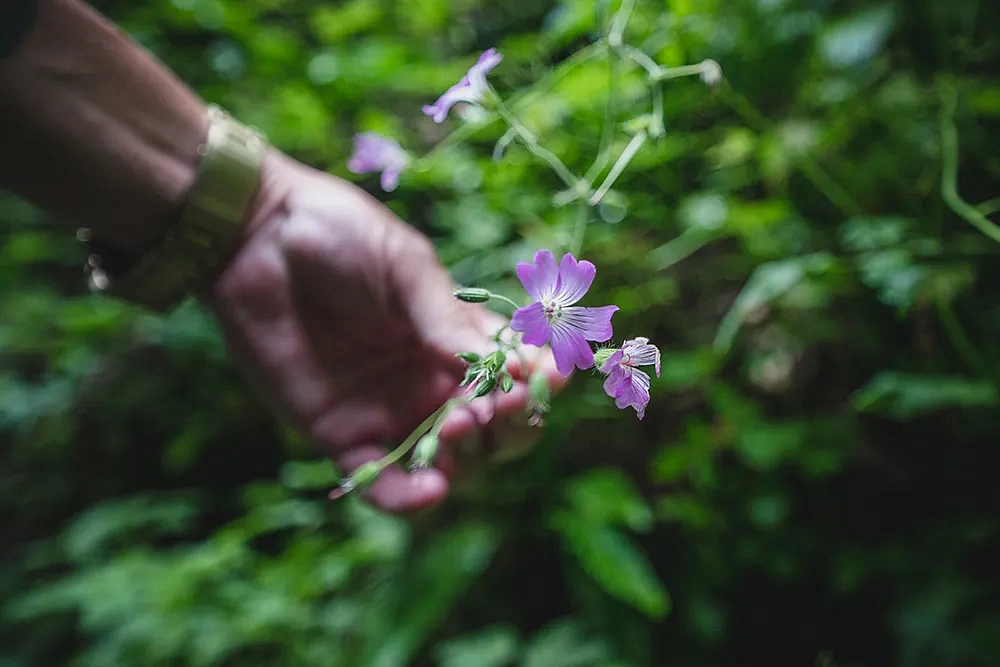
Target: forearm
<point>92,127</point>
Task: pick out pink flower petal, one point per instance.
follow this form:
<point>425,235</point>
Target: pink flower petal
<point>592,323</point>
<point>539,279</point>
<point>531,322</point>
<point>641,353</point>
<point>570,349</point>
<point>575,279</point>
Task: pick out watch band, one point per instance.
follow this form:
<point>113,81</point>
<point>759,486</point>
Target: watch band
<point>199,244</point>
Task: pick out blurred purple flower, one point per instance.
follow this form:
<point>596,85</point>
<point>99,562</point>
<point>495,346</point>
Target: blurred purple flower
<point>625,383</point>
<point>552,318</point>
<point>373,152</point>
<point>470,89</point>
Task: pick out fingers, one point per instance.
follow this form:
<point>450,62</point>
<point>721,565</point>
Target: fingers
<point>397,490</point>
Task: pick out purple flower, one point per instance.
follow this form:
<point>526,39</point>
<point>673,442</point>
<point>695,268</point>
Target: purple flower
<point>552,318</point>
<point>625,383</point>
<point>373,152</point>
<point>472,88</point>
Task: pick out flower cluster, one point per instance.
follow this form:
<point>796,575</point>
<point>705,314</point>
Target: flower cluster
<point>554,317</point>
<point>375,153</point>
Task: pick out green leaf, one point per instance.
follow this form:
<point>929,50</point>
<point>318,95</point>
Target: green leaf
<point>904,395</point>
<point>309,475</point>
<point>562,644</point>
<point>608,497</point>
<point>428,590</point>
<point>614,563</point>
<point>767,283</point>
<point>493,647</point>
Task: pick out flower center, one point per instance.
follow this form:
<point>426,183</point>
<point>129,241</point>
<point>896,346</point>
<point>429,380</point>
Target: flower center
<point>626,359</point>
<point>552,311</point>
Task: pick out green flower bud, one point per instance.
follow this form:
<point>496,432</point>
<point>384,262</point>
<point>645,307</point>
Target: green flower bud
<point>469,357</point>
<point>472,294</point>
<point>486,385</point>
<point>539,392</point>
<point>603,355</point>
<point>424,452</point>
<point>495,362</point>
<point>506,383</point>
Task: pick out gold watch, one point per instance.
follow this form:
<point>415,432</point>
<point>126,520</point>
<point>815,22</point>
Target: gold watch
<point>200,242</point>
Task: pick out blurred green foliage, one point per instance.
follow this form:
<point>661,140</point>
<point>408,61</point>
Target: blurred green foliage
<point>810,485</point>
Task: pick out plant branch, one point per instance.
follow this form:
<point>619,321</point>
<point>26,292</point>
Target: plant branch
<point>949,169</point>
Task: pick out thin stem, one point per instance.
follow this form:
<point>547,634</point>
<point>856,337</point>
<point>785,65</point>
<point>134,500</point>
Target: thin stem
<point>679,248</point>
<point>989,207</point>
<point>960,341</point>
<point>949,169</point>
<point>607,131</point>
<point>529,141</point>
<point>657,130</point>
<point>516,101</point>
<point>677,72</point>
<point>411,440</point>
<point>501,297</point>
<point>630,150</point>
<point>580,228</point>
<point>620,21</point>
<point>652,67</point>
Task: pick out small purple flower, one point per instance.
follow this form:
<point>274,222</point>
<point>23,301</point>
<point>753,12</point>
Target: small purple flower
<point>373,152</point>
<point>472,88</point>
<point>552,318</point>
<point>628,385</point>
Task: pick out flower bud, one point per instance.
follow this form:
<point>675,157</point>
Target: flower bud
<point>506,383</point>
<point>602,355</point>
<point>469,357</point>
<point>495,361</point>
<point>424,452</point>
<point>539,392</point>
<point>472,294</point>
<point>711,73</point>
<point>486,385</point>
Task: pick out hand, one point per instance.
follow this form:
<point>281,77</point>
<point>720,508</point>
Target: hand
<point>343,316</point>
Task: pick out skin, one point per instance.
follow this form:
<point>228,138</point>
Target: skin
<point>336,310</point>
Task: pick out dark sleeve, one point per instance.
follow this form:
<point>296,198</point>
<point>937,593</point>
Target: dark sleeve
<point>16,19</point>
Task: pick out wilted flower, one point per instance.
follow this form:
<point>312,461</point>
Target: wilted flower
<point>552,318</point>
<point>373,152</point>
<point>472,88</point>
<point>625,383</point>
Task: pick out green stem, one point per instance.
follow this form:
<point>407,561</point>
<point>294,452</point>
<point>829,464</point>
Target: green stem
<point>652,67</point>
<point>580,228</point>
<point>989,207</point>
<point>509,302</point>
<point>529,141</point>
<point>949,169</point>
<point>677,72</point>
<point>626,156</point>
<point>679,248</point>
<point>619,22</point>
<point>960,341</point>
<point>411,440</point>
<point>547,81</point>
<point>607,131</point>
